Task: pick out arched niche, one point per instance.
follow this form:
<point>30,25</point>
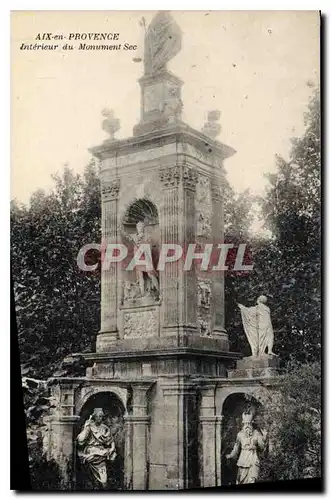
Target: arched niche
<point>142,210</point>
<point>87,392</point>
<point>114,411</point>
<point>233,407</point>
<point>145,212</point>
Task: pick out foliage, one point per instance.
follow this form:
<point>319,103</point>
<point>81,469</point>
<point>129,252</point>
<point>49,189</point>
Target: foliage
<point>57,304</point>
<point>44,473</point>
<point>293,420</point>
<point>287,265</point>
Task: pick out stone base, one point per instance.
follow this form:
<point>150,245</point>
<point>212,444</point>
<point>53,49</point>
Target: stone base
<point>160,102</point>
<point>255,366</point>
<point>137,364</point>
<point>159,123</point>
<point>184,337</point>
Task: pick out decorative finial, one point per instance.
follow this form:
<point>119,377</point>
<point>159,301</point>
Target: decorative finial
<point>111,124</point>
<point>212,128</point>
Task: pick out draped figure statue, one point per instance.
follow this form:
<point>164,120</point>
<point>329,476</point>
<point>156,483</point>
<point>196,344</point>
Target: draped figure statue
<point>258,328</point>
<point>147,279</point>
<point>96,447</point>
<point>250,442</point>
<point>163,41</point>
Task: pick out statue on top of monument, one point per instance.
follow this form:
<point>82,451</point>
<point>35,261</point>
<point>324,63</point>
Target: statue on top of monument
<point>258,327</point>
<point>163,41</point>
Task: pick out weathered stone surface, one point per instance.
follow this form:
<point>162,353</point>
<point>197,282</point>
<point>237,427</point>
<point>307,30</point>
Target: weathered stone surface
<point>253,362</point>
<point>140,322</point>
<point>256,366</point>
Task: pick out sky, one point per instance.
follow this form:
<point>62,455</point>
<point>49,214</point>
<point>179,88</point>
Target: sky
<point>251,65</point>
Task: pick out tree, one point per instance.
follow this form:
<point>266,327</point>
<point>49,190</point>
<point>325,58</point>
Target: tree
<point>292,211</point>
<point>57,304</point>
<point>287,264</point>
<point>292,416</point>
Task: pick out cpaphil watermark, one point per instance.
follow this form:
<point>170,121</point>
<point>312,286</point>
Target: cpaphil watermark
<point>209,257</point>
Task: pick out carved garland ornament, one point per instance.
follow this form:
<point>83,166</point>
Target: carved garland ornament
<point>110,190</point>
<point>171,176</point>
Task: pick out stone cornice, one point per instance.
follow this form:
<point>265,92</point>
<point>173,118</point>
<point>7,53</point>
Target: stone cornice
<point>177,133</point>
<point>222,382</point>
<point>118,382</point>
<point>161,353</point>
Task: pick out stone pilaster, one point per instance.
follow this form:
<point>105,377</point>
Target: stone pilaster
<point>188,278</point>
<point>178,227</point>
<point>128,457</point>
<point>137,436</point>
<point>218,440</point>
<point>179,417</point>
<point>210,473</point>
<point>64,448</point>
<point>63,423</point>
<point>218,276</point>
<point>108,331</point>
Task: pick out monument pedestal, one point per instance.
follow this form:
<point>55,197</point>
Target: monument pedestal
<point>255,366</point>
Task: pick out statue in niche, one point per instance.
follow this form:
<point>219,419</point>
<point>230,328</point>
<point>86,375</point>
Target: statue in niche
<point>148,280</point>
<point>163,42</point>
<point>258,328</point>
<point>250,442</point>
<point>96,447</point>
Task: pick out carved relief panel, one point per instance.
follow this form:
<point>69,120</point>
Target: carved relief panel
<point>203,208</point>
<point>140,323</point>
<point>204,306</point>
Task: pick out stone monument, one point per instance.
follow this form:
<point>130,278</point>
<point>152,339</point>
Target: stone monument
<point>162,352</point>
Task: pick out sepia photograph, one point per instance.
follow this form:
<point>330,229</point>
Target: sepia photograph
<point>165,240</point>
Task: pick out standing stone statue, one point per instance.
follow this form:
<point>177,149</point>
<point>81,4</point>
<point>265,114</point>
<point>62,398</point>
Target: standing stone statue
<point>148,280</point>
<point>163,41</point>
<point>249,444</point>
<point>258,328</point>
<point>96,446</point>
